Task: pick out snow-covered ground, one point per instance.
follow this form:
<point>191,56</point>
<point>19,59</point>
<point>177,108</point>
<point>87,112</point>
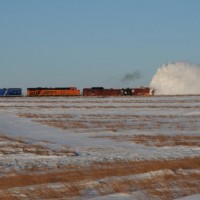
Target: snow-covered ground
<point>84,128</point>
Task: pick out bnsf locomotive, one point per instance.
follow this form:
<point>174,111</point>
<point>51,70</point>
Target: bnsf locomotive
<point>63,91</point>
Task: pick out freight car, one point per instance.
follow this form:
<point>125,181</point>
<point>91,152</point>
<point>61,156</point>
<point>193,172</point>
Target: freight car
<point>60,91</point>
<point>100,91</point>
<point>10,92</point>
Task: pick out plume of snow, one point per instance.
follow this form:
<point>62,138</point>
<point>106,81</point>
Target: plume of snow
<point>180,78</point>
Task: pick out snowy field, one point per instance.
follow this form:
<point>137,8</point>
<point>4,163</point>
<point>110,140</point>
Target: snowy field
<point>100,148</point>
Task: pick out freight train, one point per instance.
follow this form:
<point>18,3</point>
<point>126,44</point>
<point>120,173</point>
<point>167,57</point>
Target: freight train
<point>73,91</point>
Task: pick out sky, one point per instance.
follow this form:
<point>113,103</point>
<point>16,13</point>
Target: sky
<point>86,43</point>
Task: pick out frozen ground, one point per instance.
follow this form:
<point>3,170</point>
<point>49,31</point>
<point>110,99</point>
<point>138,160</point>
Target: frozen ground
<point>54,132</point>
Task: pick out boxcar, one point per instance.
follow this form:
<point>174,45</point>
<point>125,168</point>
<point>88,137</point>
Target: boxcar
<point>10,92</point>
<point>100,91</point>
<point>60,91</point>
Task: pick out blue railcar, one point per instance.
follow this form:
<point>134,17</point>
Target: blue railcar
<point>5,92</point>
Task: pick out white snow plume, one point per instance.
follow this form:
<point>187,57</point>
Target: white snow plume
<point>180,78</point>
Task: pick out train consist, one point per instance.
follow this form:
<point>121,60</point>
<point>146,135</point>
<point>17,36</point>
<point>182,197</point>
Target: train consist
<point>73,91</point>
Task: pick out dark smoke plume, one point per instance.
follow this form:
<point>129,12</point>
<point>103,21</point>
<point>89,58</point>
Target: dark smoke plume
<point>132,76</point>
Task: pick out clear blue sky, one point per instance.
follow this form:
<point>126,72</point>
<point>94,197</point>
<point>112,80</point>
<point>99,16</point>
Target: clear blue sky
<point>84,43</point>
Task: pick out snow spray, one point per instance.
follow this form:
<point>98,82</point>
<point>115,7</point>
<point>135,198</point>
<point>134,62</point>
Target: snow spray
<point>180,78</point>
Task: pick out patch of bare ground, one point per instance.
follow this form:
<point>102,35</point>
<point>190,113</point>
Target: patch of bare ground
<point>11,145</point>
<point>31,115</point>
<point>159,140</point>
<point>159,179</point>
<point>116,122</point>
<point>84,125</point>
<point>164,140</point>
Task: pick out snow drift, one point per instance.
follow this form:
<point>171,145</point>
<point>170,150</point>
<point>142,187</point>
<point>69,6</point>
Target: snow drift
<point>178,78</point>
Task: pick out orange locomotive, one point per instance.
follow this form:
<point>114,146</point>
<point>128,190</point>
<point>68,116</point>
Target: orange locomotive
<point>62,91</point>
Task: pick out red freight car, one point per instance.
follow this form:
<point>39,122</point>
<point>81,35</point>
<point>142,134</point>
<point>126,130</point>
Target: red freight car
<point>62,91</point>
<point>100,91</point>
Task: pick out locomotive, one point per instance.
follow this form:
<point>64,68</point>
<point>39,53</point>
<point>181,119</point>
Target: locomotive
<point>10,92</point>
<point>61,91</point>
<point>141,91</point>
<point>100,91</point>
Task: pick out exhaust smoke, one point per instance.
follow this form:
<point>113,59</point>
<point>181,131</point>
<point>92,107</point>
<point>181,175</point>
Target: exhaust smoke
<point>132,76</point>
<point>178,78</point>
